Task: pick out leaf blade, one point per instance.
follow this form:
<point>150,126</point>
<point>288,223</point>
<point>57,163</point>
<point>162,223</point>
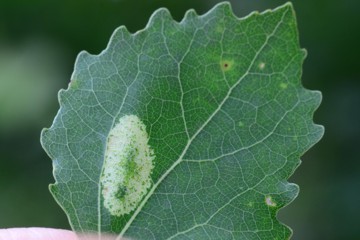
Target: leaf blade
<point>227,103</point>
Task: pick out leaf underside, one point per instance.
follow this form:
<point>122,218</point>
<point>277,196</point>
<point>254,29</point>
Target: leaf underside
<point>225,112</point>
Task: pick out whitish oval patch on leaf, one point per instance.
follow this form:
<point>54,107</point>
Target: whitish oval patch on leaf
<point>128,164</point>
<point>270,202</point>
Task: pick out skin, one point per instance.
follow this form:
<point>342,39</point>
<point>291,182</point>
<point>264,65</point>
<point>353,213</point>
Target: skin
<point>34,233</point>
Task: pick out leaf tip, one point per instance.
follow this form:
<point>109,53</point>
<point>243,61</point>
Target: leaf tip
<point>190,14</point>
<point>317,98</point>
<point>160,15</point>
<point>53,189</point>
<point>288,4</point>
<point>43,136</point>
<point>61,94</point>
<point>119,34</point>
<point>320,130</point>
<point>304,53</point>
<point>82,56</point>
<point>224,6</point>
<point>317,130</point>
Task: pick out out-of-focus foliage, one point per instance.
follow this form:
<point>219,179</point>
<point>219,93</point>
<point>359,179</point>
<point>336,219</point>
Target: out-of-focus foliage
<point>327,207</point>
<point>25,89</point>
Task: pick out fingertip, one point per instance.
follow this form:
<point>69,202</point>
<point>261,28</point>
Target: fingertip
<point>36,234</point>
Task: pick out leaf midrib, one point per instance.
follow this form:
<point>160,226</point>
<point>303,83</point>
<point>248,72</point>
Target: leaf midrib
<point>177,162</point>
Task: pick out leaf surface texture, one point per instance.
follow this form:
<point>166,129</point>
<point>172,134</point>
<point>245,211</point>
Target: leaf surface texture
<point>225,114</point>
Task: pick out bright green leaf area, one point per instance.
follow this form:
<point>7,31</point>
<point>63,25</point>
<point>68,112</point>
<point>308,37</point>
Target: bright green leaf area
<point>226,115</point>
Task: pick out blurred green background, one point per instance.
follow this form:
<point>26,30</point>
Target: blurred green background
<point>39,41</point>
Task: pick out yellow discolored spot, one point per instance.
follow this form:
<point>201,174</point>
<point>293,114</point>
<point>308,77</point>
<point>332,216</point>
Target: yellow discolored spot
<point>261,66</point>
<point>269,201</point>
<point>283,85</point>
<point>226,65</point>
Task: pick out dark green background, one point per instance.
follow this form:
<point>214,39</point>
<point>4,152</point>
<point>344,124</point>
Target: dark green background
<point>39,41</point>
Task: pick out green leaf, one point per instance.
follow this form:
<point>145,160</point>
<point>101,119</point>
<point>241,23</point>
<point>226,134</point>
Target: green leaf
<point>185,130</point>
